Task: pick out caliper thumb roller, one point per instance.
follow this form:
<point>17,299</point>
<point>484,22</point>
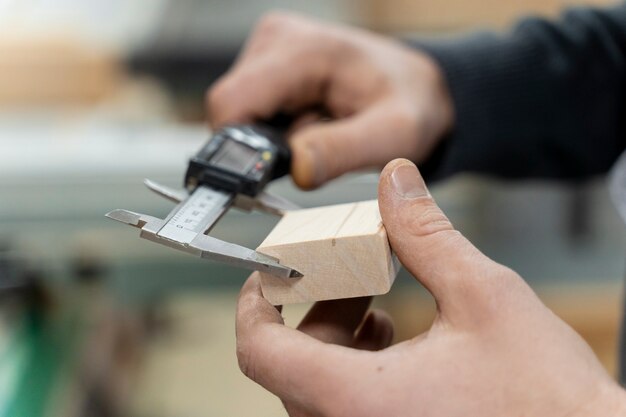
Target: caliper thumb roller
<point>231,169</point>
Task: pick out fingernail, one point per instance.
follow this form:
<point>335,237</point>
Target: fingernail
<point>305,169</point>
<point>318,168</point>
<point>407,182</point>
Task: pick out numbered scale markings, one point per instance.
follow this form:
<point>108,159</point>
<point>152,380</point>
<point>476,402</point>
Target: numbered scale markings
<point>196,215</point>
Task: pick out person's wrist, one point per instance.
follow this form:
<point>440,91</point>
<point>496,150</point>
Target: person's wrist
<point>445,116</point>
<point>439,114</point>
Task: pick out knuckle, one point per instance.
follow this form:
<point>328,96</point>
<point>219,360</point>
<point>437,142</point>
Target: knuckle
<point>405,116</point>
<point>426,218</point>
<point>220,100</point>
<point>274,22</point>
<point>215,95</point>
<point>505,282</point>
<point>244,359</point>
<point>410,123</point>
<point>491,286</point>
<point>497,277</point>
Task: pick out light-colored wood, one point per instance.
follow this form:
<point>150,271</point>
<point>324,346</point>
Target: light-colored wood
<point>342,251</point>
<point>456,15</point>
<point>55,70</point>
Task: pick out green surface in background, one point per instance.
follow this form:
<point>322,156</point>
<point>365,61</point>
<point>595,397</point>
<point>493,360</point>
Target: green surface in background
<point>42,349</point>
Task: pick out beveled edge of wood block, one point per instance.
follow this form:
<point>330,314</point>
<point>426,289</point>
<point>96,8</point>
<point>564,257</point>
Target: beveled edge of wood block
<point>279,300</point>
<point>345,209</point>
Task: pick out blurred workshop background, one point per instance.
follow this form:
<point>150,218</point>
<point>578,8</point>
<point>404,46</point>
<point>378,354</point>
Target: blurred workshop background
<point>96,95</point>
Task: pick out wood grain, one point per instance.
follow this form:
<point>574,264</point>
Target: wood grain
<point>342,250</point>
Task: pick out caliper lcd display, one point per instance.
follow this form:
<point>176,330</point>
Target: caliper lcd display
<point>235,157</point>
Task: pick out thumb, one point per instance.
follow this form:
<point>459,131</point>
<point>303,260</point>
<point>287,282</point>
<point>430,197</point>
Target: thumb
<point>463,281</point>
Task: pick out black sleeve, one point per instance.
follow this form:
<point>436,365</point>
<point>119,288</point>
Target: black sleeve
<point>546,100</point>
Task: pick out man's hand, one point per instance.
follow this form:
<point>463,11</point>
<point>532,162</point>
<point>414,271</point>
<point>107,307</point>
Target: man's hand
<point>384,100</point>
<point>493,350</point>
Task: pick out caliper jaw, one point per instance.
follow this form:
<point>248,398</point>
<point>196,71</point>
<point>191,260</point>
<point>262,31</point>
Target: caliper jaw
<point>264,201</point>
<point>205,246</point>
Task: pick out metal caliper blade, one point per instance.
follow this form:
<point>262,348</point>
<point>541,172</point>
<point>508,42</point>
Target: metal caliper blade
<point>205,246</point>
<point>232,254</point>
<point>185,227</point>
<point>175,195</point>
<point>266,202</point>
<point>192,218</point>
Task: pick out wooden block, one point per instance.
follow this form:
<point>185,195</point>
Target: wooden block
<point>341,250</point>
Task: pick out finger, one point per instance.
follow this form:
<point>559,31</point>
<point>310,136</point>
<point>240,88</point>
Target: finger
<point>304,119</point>
<point>325,150</point>
<point>260,87</point>
<point>335,321</point>
<point>295,410</point>
<point>463,281</point>
<point>376,333</point>
<point>294,366</point>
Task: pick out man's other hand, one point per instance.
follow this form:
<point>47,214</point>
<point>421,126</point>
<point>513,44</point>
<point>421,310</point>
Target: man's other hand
<point>359,99</point>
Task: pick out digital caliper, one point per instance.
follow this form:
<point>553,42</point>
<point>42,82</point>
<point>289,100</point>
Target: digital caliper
<point>231,169</point>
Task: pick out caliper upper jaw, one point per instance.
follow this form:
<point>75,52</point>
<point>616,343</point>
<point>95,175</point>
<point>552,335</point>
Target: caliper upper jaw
<point>172,194</point>
<point>265,202</point>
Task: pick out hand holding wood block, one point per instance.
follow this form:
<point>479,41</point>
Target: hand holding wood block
<point>341,250</point>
